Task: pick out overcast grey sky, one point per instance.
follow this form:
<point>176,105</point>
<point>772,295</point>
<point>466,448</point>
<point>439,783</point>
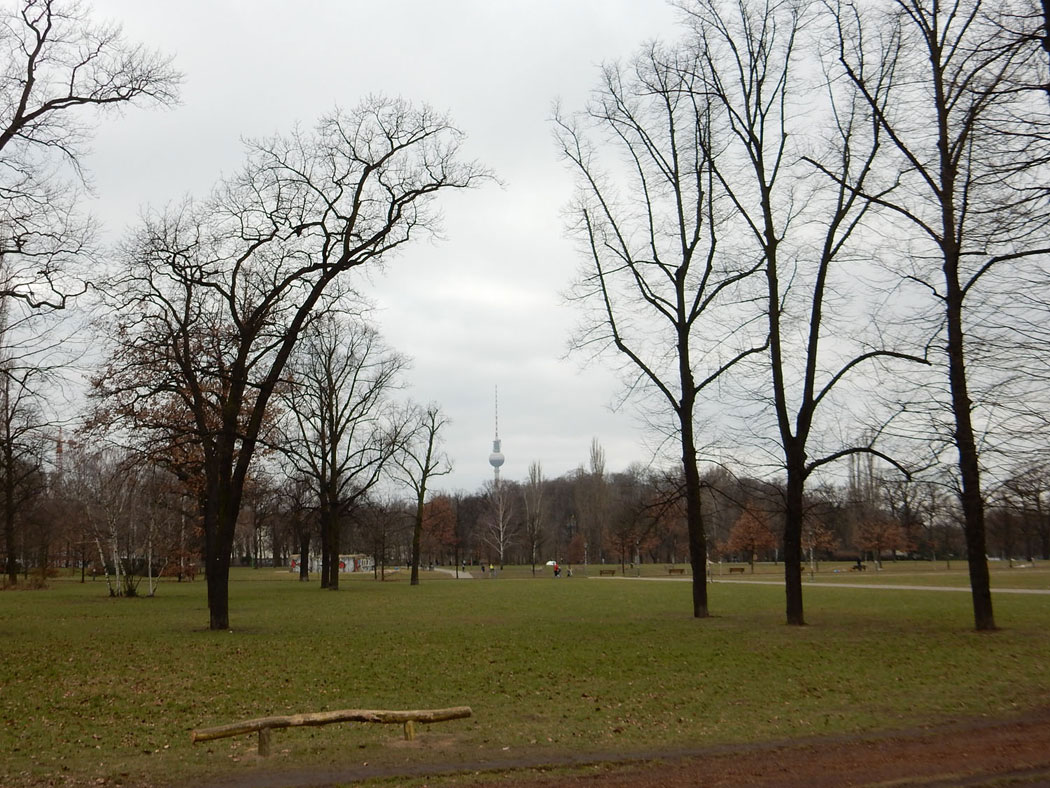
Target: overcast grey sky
<point>483,306</point>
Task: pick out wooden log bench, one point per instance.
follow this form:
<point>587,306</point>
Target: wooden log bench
<point>606,572</point>
<point>673,571</point>
<point>264,725</point>
<point>736,570</point>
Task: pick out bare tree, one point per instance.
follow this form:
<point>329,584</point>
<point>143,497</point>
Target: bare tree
<point>216,295</point>
<point>107,484</point>
<point>22,448</point>
<point>634,515</point>
<point>592,503</point>
<point>382,523</point>
<point>341,428</point>
<point>501,525</point>
<point>417,461</point>
<point>295,501</point>
<point>1024,495</point>
<point>24,425</point>
<point>536,512</point>
<point>56,66</point>
<point>660,291</point>
<point>955,124</point>
<point>751,54</point>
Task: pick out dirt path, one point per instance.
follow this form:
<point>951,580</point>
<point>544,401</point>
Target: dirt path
<point>982,752</point>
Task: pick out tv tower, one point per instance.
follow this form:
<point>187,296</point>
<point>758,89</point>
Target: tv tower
<point>496,459</point>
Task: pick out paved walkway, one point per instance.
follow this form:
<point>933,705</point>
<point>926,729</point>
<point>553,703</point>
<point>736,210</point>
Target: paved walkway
<point>463,574</point>
<point>887,587</point>
<point>812,584</point>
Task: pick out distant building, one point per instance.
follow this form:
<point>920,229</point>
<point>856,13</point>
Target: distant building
<point>351,562</point>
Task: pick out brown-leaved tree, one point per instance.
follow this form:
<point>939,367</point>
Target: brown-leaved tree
<point>215,295</point>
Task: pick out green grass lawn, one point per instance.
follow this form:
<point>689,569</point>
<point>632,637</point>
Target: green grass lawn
<point>93,687</point>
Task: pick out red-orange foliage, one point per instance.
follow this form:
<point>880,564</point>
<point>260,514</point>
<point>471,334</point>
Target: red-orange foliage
<point>439,526</point>
<point>750,533</point>
<point>817,536</point>
<point>576,549</point>
<point>878,535</point>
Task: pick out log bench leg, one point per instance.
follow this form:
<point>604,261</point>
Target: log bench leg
<point>410,730</point>
<point>264,742</point>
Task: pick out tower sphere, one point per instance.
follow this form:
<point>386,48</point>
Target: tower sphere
<point>496,458</point>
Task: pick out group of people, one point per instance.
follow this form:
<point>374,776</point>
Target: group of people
<point>492,569</point>
<point>557,570</point>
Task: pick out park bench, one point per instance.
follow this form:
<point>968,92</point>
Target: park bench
<point>604,572</point>
<point>736,570</point>
<point>673,571</point>
<point>264,725</point>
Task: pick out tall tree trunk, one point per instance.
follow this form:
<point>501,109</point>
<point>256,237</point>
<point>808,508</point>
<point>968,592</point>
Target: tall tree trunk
<point>793,514</point>
<point>335,547</point>
<point>694,519</point>
<point>417,533</point>
<point>326,543</point>
<point>969,467</point>
<point>217,574</point>
<point>304,553</point>
<point>220,520</point>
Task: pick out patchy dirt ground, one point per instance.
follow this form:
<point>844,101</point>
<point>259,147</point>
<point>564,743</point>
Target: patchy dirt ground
<point>981,753</point>
<point>987,752</point>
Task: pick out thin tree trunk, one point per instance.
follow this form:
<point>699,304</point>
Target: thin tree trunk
<point>116,559</point>
<point>9,499</point>
<point>105,567</point>
<point>9,537</point>
<point>149,558</point>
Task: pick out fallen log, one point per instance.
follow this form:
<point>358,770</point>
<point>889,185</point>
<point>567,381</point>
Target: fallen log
<point>264,725</point>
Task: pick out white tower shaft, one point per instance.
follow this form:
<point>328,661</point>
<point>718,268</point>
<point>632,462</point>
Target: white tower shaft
<point>496,459</point>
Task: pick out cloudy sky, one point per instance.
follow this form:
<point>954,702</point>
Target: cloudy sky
<point>479,309</point>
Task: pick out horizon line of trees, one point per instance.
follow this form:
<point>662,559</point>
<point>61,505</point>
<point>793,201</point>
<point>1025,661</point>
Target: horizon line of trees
<point>119,517</point>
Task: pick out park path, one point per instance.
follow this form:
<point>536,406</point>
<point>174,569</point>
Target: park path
<point>463,574</point>
<point>812,583</point>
